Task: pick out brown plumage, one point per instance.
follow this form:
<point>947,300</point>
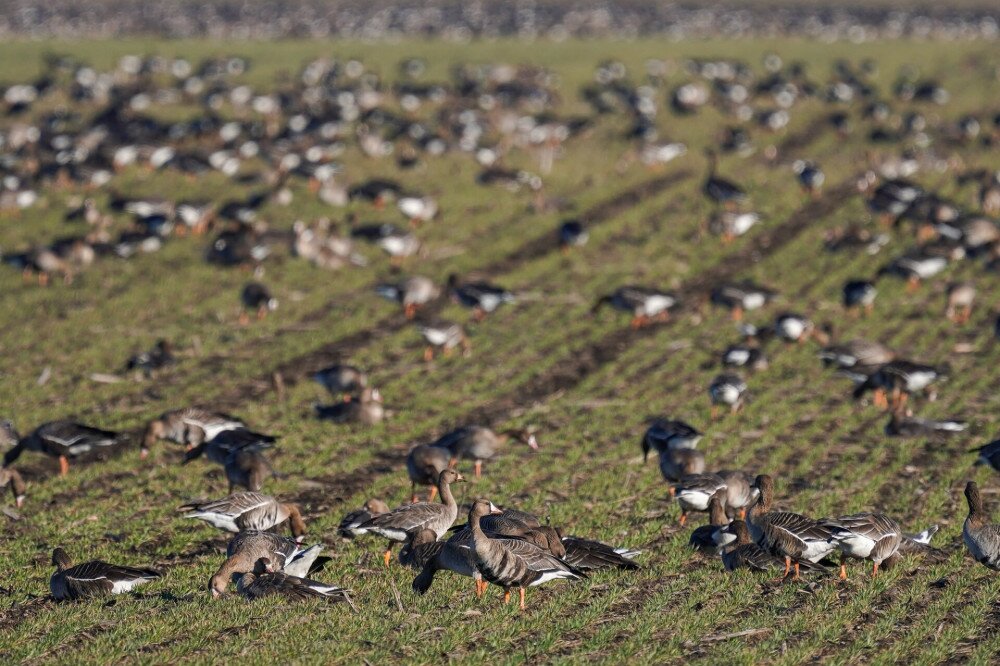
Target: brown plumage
<point>10,477</point>
<point>93,579</point>
<point>247,511</point>
<point>427,555</point>
<point>190,426</point>
<point>248,469</point>
<point>247,547</point>
<point>352,521</point>
<point>424,464</point>
<point>981,538</point>
<point>264,581</point>
<point>870,536</point>
<point>479,443</point>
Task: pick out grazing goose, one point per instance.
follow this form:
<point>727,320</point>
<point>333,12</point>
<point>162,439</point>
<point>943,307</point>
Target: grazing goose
<point>247,511</point>
<point>63,439</point>
<point>572,233</point>
<point>510,562</point>
<point>417,209</point>
<point>859,296</point>
<point>744,356</point>
<point>424,464</point>
<point>792,536</point>
<point>221,446</point>
<point>351,523</point>
<point>367,409</point>
<point>904,424</point>
<point>867,536</point>
<point>857,356</point>
<point>396,525</point>
<point>981,538</point>
<point>720,190</point>
<point>915,267</point>
<point>793,327</point>
<point>810,176</point>
<point>703,538</point>
<point>727,390</point>
<point>93,579</point>
<point>646,304</point>
<point>730,224</point>
<point>190,426</point>
<point>145,363</point>
<point>896,380</point>
<point>428,556</point>
<point>588,555</point>
<point>411,293</point>
<point>482,297</point>
<point>264,581</point>
<point>741,297</point>
<point>479,443</point>
<point>444,335</point>
<point>961,296</point>
<point>345,380</point>
<point>247,468</point>
<point>664,434</point>
<point>11,477</point>
<point>745,554</point>
<point>248,546</point>
<point>695,491</point>
<point>256,296</point>
<point>740,491</point>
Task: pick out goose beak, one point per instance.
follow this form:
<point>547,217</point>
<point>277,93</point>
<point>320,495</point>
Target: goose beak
<point>532,443</point>
<point>19,501</point>
<point>459,478</point>
<point>143,453</point>
<point>494,510</point>
<point>216,594</point>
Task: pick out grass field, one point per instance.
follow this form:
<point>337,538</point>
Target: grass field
<point>587,383</point>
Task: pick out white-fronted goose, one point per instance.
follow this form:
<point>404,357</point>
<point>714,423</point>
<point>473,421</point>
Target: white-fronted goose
<point>444,335</point>
<point>223,445</point>
<point>342,380</point>
<point>189,426</point>
<point>727,390</point>
<point>63,439</point>
<point>256,297</point>
<point>411,293</point>
<point>264,581</point>
<point>740,491</point>
<point>859,296</point>
<point>703,538</point>
<point>11,477</point>
<point>810,176</point>
<point>905,424</point>
<point>145,363</point>
<point>396,525</point>
<point>427,555</point>
<point>744,356</point>
<point>510,562</point>
<point>741,297</point>
<point>720,190</point>
<point>247,468</point>
<point>351,523</point>
<point>247,511</point>
<point>424,464</point>
<point>961,296</point>
<point>247,547</point>
<point>792,536</point>
<point>590,555</point>
<point>857,356</point>
<point>980,537</point>
<point>664,434</point>
<point>915,267</point>
<point>694,492</point>
<point>896,380</point>
<point>367,409</point>
<point>482,297</point>
<point>743,553</point>
<point>572,233</point>
<point>479,443</point>
<point>794,327</point>
<point>645,304</point>
<point>731,224</point>
<point>93,579</point>
<point>865,536</point>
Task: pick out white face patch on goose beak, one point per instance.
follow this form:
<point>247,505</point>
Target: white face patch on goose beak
<point>532,442</point>
<point>494,509</point>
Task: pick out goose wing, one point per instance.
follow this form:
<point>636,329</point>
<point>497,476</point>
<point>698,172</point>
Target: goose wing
<point>587,555</point>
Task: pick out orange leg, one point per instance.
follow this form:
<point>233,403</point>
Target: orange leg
<point>63,466</point>
<point>912,284</point>
<point>743,513</point>
<point>261,313</point>
<point>520,591</point>
<point>43,279</point>
<point>788,566</point>
<point>506,596</point>
<point>881,400</point>
<point>433,494</point>
<point>479,314</point>
<point>714,412</point>
<point>684,518</point>
<point>244,319</point>
<point>479,469</point>
<point>843,567</point>
<point>387,556</point>
<point>639,321</point>
<point>410,310</point>
<point>429,354</point>
<point>737,313</point>
<point>413,493</point>
<point>796,576</point>
<point>875,570</point>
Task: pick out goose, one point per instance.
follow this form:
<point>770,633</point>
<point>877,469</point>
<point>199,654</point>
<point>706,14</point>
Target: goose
<point>190,426</point>
<point>160,356</point>
<point>857,356</point>
<point>981,539</point>
<point>571,234</point>
<point>859,295</point>
<point>256,296</point>
<point>412,293</point>
<point>664,434</point>
<point>731,224</point>
<point>350,524</point>
<point>11,477</point>
<point>444,335</point>
<point>720,190</point>
<point>510,562</point>
<point>428,556</point>
<point>367,409</point>
<point>93,579</point>
<point>482,297</point>
<point>727,390</point>
<point>904,424</point>
<point>744,356</point>
<point>479,443</point>
<point>915,267</point>
<point>793,327</point>
<point>869,536</point>
<point>589,555</point>
<point>399,522</point>
<point>743,553</point>
<point>248,469</point>
<point>792,536</point>
<point>264,581</point>
<point>219,448</point>
<point>961,296</point>
<point>424,464</point>
<point>247,511</point>
<point>742,297</point>
<point>417,209</point>
<point>989,454</point>
<point>646,304</point>
<point>248,546</point>
<point>740,491</point>
<point>703,538</point>
<point>810,176</point>
<point>694,492</point>
<point>896,380</point>
<point>62,439</point>
<point>345,380</point>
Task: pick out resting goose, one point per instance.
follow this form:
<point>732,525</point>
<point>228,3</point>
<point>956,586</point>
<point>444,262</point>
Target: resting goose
<point>479,443</point>
<point>345,380</point>
<point>93,579</point>
<point>424,464</point>
<point>219,448</point>
<point>189,426</point>
<point>867,536</point>
<point>694,492</point>
<point>588,555</point>
<point>444,335</point>
<point>367,409</point>
<point>147,362</point>
<point>510,562</point>
<point>350,524</point>
<point>482,297</point>
<point>396,525</point>
<point>248,546</point>
<point>906,425</point>
<point>646,304</point>
<point>792,536</point>
<point>63,439</point>
<point>411,293</point>
<point>247,511</point>
<point>981,538</point>
<point>264,581</point>
<point>11,477</point>
<point>857,356</point>
<point>427,555</point>
<point>703,538</point>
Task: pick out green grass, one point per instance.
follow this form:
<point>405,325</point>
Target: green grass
<point>587,384</point>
